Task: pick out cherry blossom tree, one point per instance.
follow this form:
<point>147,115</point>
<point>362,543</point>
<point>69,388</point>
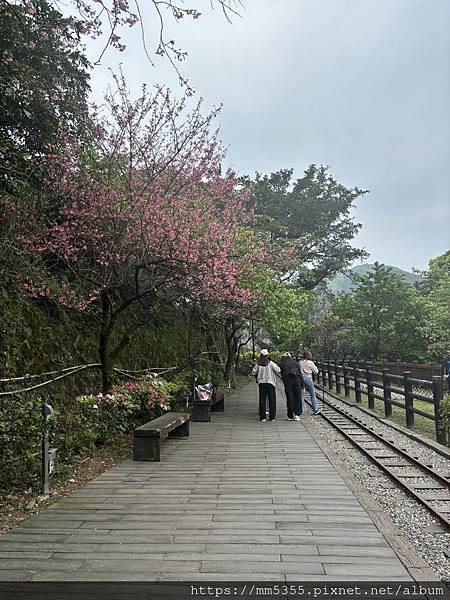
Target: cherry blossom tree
<point>143,218</point>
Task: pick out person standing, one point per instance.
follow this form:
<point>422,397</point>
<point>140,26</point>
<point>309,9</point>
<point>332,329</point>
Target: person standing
<point>292,378</point>
<point>445,369</point>
<point>265,372</point>
<point>308,368</point>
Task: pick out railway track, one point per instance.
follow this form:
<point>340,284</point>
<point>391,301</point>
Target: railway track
<point>427,486</point>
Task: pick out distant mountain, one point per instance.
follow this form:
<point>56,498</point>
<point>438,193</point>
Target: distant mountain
<point>342,282</point>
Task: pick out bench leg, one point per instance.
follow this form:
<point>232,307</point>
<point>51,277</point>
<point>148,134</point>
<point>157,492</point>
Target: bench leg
<point>181,431</point>
<point>201,411</point>
<point>218,407</point>
<point>146,448</point>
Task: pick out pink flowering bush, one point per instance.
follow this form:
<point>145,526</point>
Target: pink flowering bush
<point>101,417</point>
<point>78,427</point>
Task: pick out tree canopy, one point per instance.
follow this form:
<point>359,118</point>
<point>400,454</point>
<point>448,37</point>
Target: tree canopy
<point>44,82</point>
<point>313,212</point>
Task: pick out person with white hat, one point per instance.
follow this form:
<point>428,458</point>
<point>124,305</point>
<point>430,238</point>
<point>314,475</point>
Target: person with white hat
<point>265,372</point>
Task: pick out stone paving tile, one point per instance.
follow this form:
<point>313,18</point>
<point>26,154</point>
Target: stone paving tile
<point>348,550</point>
<point>16,575</point>
<point>236,501</point>
<point>338,541</point>
<point>84,575</point>
<point>262,549</point>
<point>231,566</point>
<point>45,548</point>
<point>343,560</point>
<point>36,564</point>
<point>384,571</point>
<point>218,576</point>
<point>8,553</point>
<point>128,556</point>
<point>251,538</point>
<point>136,564</point>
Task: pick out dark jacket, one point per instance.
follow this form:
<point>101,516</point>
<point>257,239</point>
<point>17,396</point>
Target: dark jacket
<point>289,368</point>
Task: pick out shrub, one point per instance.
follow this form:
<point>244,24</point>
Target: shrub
<point>445,412</point>
<point>21,427</point>
<point>75,428</point>
<point>245,363</point>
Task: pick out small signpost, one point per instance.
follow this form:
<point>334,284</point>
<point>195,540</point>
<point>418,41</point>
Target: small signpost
<point>48,455</point>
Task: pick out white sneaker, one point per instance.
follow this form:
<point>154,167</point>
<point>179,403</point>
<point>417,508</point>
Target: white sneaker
<point>318,411</point>
<point>296,418</point>
<point>272,420</point>
<point>263,420</point>
<point>289,419</point>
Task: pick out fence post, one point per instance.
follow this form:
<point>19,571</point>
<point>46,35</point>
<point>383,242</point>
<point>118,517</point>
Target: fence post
<point>370,396</point>
<point>337,377</point>
<point>357,385</point>
<point>318,372</point>
<point>387,393</point>
<point>441,433</point>
<point>346,382</point>
<point>409,402</point>
<point>330,377</point>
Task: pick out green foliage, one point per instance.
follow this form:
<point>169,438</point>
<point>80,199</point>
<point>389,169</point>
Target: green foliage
<point>445,412</point>
<point>435,291</point>
<point>283,316</point>
<point>275,355</point>
<point>315,211</point>
<point>245,363</point>
<point>76,428</point>
<point>383,317</point>
<point>43,84</point>
<point>21,427</point>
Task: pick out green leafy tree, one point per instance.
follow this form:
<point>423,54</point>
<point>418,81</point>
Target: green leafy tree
<point>383,317</point>
<point>282,316</point>
<point>313,212</point>
<point>435,290</point>
<point>44,83</point>
<point>328,334</point>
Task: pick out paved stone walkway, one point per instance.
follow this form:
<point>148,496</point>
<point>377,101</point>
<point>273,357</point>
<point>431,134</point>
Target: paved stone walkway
<point>238,500</point>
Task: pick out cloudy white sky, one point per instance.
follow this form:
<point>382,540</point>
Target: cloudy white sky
<point>360,85</point>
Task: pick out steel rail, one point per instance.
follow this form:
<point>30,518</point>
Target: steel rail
<point>385,468</point>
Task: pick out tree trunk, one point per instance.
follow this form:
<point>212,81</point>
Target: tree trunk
<point>232,342</point>
<point>104,343</point>
<point>253,341</point>
<point>105,362</point>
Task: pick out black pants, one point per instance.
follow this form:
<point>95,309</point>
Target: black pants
<point>292,389</point>
<point>267,390</point>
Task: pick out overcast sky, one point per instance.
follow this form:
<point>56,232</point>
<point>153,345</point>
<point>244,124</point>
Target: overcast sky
<point>360,85</point>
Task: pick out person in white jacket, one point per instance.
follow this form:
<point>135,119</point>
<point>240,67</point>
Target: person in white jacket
<point>308,368</point>
<point>265,372</point>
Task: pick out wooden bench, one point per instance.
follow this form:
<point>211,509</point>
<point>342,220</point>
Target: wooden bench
<point>218,401</point>
<point>201,410</point>
<point>147,438</point>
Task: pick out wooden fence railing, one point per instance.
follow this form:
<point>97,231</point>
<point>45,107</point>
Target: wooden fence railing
<point>397,367</point>
<point>390,388</point>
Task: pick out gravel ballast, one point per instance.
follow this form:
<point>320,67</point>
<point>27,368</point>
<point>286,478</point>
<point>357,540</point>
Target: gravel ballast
<point>413,520</point>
